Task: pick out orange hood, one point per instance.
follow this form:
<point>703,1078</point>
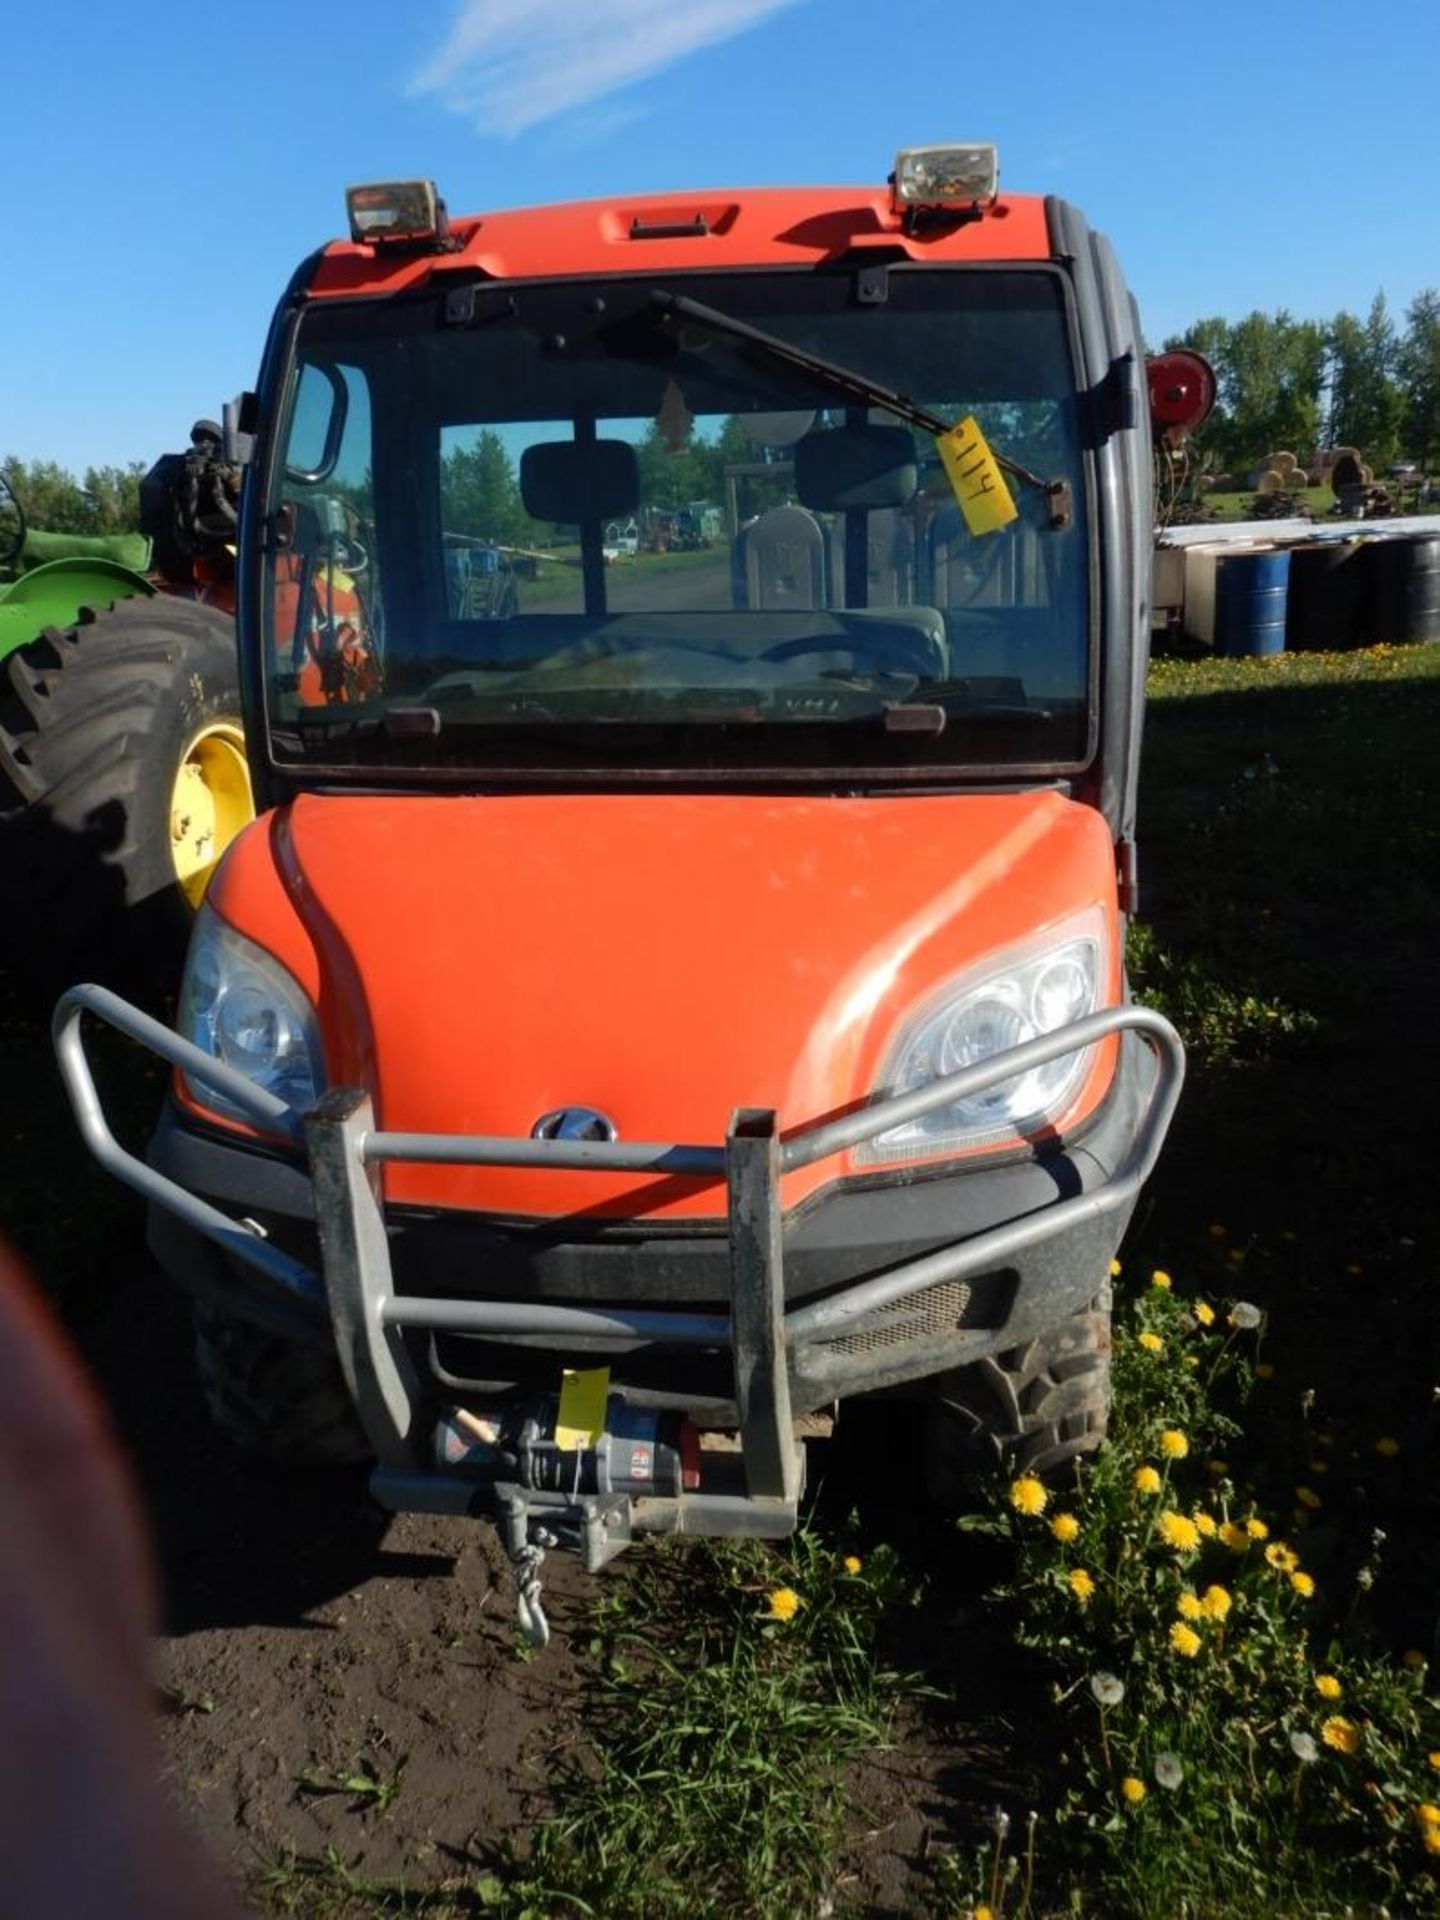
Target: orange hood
<point>479,961</point>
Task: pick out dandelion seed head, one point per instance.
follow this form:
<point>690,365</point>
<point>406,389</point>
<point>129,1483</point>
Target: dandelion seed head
<point>1303,1746</point>
<point>1108,1688</point>
<point>1168,1771</point>
<point>1244,1315</point>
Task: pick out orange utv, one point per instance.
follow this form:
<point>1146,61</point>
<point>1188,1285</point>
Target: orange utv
<point>673,987</point>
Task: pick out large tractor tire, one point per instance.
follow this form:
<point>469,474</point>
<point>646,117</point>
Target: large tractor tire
<point>1036,1408</point>
<point>272,1398</point>
<point>122,780</point>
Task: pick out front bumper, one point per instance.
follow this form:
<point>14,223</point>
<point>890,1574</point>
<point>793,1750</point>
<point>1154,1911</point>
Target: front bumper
<point>874,1285</point>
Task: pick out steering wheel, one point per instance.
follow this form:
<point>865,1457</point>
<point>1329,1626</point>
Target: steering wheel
<point>899,655</point>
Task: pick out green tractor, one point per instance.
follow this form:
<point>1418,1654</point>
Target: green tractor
<point>122,759</point>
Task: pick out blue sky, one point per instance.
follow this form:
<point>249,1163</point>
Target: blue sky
<point>169,164</point>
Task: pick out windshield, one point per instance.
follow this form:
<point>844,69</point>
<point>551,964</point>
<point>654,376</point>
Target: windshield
<point>592,527</point>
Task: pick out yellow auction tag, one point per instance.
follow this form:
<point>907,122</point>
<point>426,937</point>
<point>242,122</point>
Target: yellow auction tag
<point>581,1417</point>
<point>975,476</point>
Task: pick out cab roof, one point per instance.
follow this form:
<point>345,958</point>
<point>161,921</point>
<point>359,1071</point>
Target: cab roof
<point>667,233</point>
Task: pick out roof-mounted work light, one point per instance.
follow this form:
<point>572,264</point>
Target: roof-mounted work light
<point>405,213</point>
<point>945,179</point>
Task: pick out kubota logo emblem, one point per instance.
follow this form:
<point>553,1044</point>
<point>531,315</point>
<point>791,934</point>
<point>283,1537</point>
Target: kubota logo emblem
<point>574,1123</point>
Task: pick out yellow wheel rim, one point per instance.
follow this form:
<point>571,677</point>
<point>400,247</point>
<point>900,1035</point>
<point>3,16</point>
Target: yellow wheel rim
<point>210,802</point>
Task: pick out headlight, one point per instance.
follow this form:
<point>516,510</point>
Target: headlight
<point>241,1005</point>
<point>1019,996</point>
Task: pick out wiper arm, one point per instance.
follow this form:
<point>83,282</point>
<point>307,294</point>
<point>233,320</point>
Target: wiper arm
<point>854,385</point>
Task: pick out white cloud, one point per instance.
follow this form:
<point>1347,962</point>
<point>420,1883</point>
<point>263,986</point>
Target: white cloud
<point>508,64</point>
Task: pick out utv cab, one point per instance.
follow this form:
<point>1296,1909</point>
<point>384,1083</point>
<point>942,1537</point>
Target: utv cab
<point>659,1001</point>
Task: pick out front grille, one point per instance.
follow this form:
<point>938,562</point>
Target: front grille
<point>933,1314</point>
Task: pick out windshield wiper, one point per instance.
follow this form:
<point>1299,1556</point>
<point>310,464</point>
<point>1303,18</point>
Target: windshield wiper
<point>855,386</point>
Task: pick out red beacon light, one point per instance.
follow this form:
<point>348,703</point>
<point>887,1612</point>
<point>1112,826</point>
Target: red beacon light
<point>1182,393</point>
<point>398,213</point>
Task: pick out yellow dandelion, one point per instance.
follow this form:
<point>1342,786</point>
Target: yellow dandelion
<point>1081,1584</point>
<point>1065,1528</point>
<point>1216,1231</point>
<point>983,1913</point>
<point>1308,1497</point>
<point>1434,1759</point>
<point>1160,1279</point>
<point>1327,1686</point>
<point>1173,1444</point>
<point>1217,1467</point>
<point>1147,1480</point>
<point>1413,1659</point>
<point>1284,1559</point>
<point>1428,1814</point>
<point>1217,1603</point>
<point>1387,1446</point>
<point>785,1603</point>
<point>1184,1640</point>
<point>1115,1269</point>
<point>1340,1734</point>
<point>1233,1537</point>
<point>1256,1528</point>
<point>853,1563</point>
<point>1190,1606</point>
<point>1303,1584</point>
<point>1204,1523</point>
<point>1151,1342</point>
<point>1264,1370</point>
<point>1204,1313</point>
<point>1028,1495</point>
<point>1133,1789</point>
<point>1179,1532</point>
<point>1192,1362</point>
<point>1430,1838</point>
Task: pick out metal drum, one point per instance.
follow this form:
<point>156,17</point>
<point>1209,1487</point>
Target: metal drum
<point>1327,607</point>
<point>1250,603</point>
<point>1405,589</point>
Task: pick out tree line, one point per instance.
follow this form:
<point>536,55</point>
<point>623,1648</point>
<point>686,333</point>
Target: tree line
<point>106,500</point>
<point>1283,382</point>
<point>1308,384</point>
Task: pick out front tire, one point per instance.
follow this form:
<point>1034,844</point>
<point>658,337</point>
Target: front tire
<point>273,1398</point>
<point>1036,1408</point>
